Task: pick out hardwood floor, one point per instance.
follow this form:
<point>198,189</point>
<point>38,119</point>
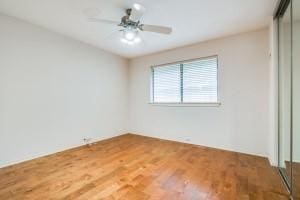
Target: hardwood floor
<point>135,168</point>
<point>295,177</point>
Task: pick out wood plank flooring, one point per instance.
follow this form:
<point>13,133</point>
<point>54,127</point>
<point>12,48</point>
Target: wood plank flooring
<point>295,178</point>
<point>135,168</point>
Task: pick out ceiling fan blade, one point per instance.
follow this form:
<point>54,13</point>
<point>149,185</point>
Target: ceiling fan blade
<point>91,12</point>
<point>107,21</point>
<point>137,12</point>
<point>156,29</point>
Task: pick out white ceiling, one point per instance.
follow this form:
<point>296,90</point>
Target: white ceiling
<point>192,20</point>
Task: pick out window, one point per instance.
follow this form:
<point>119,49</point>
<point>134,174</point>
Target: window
<point>194,81</point>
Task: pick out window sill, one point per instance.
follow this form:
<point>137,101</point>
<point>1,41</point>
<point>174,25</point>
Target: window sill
<point>215,104</point>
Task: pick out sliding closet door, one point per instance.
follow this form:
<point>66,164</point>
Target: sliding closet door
<point>296,99</point>
<point>285,93</point>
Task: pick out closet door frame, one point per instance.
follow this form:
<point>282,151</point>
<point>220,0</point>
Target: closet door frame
<point>280,11</point>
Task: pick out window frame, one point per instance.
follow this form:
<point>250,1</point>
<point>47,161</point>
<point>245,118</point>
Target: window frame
<point>184,104</point>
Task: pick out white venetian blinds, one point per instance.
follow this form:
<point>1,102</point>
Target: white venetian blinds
<point>187,82</point>
<point>166,83</point>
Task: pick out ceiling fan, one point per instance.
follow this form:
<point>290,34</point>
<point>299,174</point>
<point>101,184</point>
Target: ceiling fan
<point>132,25</point>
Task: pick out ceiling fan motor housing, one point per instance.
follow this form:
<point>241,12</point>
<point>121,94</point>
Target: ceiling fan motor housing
<point>126,22</point>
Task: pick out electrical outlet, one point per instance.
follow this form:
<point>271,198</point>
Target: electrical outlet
<point>87,141</point>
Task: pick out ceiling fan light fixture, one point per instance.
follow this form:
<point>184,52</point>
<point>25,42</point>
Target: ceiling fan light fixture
<point>130,34</point>
<point>137,40</point>
<point>126,41</point>
<point>131,42</point>
<point>132,26</point>
<point>137,6</point>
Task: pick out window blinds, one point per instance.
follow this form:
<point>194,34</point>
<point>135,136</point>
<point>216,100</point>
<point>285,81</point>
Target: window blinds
<point>187,82</point>
<point>200,81</point>
<point>166,84</point>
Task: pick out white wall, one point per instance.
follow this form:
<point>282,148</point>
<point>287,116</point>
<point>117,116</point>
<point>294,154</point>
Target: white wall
<point>55,91</point>
<point>241,123</point>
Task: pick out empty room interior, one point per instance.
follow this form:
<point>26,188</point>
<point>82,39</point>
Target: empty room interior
<point>150,99</point>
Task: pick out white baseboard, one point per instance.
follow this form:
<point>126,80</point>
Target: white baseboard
<point>204,145</point>
<point>7,164</point>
